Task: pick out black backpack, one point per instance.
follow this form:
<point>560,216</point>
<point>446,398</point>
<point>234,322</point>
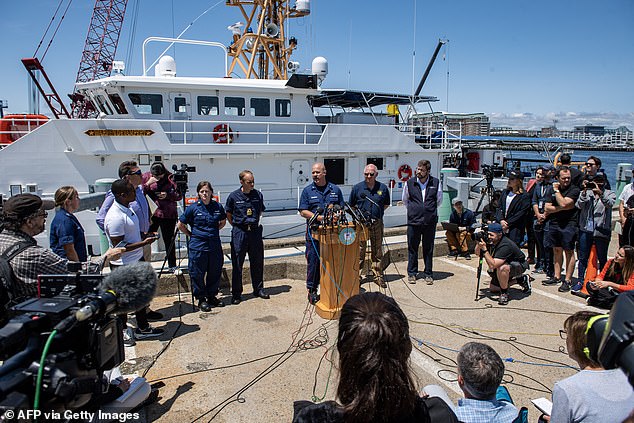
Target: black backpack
<point>8,280</point>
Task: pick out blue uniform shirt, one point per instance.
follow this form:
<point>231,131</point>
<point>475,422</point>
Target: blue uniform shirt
<point>379,194</point>
<point>245,209</point>
<point>312,198</point>
<point>66,229</point>
<point>203,221</point>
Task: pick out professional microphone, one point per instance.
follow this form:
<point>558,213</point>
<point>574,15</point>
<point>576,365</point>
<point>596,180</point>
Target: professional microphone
<point>319,211</point>
<point>339,214</point>
<point>365,197</point>
<point>352,212</point>
<point>127,289</point>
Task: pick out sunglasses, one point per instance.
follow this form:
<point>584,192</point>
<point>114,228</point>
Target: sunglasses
<point>138,172</point>
<point>591,164</point>
<point>369,174</point>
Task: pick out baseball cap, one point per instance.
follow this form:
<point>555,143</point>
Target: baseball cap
<point>24,205</point>
<point>495,227</point>
<point>455,201</point>
<point>514,175</point>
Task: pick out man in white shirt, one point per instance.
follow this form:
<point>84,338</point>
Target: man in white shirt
<point>122,229</point>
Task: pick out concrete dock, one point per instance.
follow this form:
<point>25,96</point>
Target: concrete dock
<point>249,362</point>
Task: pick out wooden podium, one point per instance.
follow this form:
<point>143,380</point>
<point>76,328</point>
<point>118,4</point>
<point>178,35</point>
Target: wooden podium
<point>339,266</point>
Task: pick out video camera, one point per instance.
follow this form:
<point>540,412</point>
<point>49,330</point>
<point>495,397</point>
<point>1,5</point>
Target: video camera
<point>57,346</point>
<point>488,173</point>
<point>180,176</point>
<point>611,338</point>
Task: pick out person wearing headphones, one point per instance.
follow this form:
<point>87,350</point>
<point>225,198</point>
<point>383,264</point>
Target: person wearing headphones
<point>593,394</point>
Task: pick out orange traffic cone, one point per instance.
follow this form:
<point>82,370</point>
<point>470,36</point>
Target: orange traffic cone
<point>592,271</point>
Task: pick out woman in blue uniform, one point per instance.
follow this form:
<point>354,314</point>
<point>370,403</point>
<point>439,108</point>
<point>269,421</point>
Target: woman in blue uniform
<point>67,235</point>
<point>205,219</point>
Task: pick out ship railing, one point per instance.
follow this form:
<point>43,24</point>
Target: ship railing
<point>13,128</point>
<point>263,132</point>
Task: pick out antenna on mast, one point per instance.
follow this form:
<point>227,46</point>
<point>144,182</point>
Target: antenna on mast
<point>260,47</point>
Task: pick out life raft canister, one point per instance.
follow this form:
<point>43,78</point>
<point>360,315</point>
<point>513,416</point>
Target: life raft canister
<point>404,172</point>
<point>223,134</point>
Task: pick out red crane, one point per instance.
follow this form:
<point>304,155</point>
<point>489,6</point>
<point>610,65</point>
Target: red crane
<point>96,60</point>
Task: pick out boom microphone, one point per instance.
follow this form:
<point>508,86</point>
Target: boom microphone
<point>127,289</point>
<point>352,212</point>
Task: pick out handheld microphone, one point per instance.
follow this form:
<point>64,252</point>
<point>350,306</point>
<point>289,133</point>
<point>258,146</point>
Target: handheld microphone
<point>319,211</point>
<point>339,214</point>
<point>127,289</point>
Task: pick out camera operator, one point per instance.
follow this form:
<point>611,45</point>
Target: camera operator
<point>507,263</point>
<point>595,222</point>
<point>25,217</point>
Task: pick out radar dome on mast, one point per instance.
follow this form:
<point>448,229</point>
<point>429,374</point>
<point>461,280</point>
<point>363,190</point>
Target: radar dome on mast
<point>320,68</point>
<point>302,6</point>
<point>165,67</point>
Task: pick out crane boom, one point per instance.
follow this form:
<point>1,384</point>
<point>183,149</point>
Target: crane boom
<point>441,42</point>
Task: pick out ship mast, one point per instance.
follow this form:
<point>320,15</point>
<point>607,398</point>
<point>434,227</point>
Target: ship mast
<point>260,48</point>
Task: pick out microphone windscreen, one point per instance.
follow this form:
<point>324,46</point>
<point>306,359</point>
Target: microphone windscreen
<point>134,284</point>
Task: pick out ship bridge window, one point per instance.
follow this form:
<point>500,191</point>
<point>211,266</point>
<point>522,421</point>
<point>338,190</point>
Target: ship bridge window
<point>180,105</point>
<point>282,108</point>
<point>118,104</point>
<point>260,107</point>
<point>234,106</point>
<point>147,104</point>
<point>208,106</point>
<point>103,104</point>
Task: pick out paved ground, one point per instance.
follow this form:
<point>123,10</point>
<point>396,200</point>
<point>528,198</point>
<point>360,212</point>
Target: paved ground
<point>249,362</point>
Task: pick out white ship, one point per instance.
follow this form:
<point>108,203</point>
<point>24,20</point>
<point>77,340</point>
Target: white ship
<point>276,126</point>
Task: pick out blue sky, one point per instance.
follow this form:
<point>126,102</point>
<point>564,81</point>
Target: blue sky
<point>523,63</point>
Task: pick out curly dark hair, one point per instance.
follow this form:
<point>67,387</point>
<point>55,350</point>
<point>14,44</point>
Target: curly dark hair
<point>375,382</point>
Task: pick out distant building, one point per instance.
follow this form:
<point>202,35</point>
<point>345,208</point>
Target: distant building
<point>590,129</point>
<point>464,123</point>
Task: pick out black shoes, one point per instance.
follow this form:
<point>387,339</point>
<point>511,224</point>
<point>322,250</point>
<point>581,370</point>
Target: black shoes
<point>236,300</point>
<point>565,286</point>
<point>313,296</point>
<point>550,281</point>
<point>262,294</point>
<point>204,306</point>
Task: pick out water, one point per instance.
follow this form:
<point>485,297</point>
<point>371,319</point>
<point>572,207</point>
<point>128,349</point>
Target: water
<point>609,159</point>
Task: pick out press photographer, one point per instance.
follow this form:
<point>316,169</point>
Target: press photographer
<point>507,263</point>
<point>22,260</point>
<point>74,333</point>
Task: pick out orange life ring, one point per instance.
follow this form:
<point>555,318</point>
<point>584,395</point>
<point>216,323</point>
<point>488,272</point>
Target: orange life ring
<point>223,134</point>
<point>404,172</point>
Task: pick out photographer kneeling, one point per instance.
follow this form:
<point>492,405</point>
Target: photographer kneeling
<point>507,263</point>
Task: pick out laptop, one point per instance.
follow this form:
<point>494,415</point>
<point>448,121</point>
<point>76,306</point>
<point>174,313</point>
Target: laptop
<point>451,227</point>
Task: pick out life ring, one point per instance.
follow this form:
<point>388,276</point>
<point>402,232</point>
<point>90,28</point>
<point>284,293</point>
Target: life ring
<point>404,172</point>
<point>392,183</point>
<point>223,134</point>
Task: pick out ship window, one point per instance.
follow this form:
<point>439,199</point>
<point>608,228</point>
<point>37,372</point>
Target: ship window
<point>180,105</point>
<point>118,104</point>
<point>376,161</point>
<point>147,104</point>
<point>260,107</point>
<point>282,108</point>
<point>207,106</point>
<point>103,105</point>
<point>234,106</point>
